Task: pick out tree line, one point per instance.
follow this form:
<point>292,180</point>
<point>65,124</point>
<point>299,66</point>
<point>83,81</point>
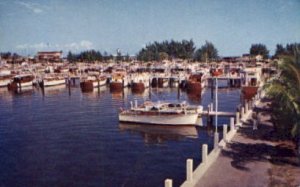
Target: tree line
<point>184,49</point>
<point>158,51</point>
<point>93,55</point>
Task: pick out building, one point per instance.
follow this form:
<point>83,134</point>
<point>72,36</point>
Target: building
<point>49,56</point>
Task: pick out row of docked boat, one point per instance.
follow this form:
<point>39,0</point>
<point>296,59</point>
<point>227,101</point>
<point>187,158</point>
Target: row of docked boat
<point>190,76</point>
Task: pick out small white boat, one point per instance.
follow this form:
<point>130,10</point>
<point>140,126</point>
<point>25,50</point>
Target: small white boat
<point>162,113</point>
<point>52,81</point>
<point>5,80</point>
<point>21,81</point>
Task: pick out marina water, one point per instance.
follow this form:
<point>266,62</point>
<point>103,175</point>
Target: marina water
<point>63,137</point>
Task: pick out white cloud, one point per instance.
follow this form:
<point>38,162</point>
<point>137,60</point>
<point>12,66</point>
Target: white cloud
<point>86,44</point>
<point>36,46</point>
<point>82,45</point>
<point>34,7</point>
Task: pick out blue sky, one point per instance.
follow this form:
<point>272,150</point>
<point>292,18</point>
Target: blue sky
<point>106,25</point>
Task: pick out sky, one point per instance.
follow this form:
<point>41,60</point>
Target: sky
<point>27,26</point>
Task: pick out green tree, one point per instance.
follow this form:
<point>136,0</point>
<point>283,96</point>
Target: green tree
<point>280,50</point>
<point>174,49</point>
<point>206,53</point>
<point>285,94</point>
<point>71,57</point>
<point>259,49</point>
<point>163,56</point>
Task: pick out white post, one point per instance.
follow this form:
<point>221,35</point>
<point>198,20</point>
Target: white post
<point>225,132</point>
<point>168,183</point>
<point>135,103</point>
<point>211,107</point>
<point>216,140</point>
<point>131,104</point>
<point>237,118</point>
<point>242,112</point>
<point>189,170</point>
<point>246,107</point>
<point>204,153</point>
<point>231,123</point>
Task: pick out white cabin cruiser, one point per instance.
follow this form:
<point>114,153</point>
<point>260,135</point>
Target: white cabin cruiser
<point>162,113</point>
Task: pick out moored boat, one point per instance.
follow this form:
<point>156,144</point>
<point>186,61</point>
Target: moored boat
<point>5,80</point>
<point>52,81</point>
<point>251,83</point>
<point>118,81</point>
<point>21,81</point>
<point>91,82</point>
<point>139,82</point>
<point>162,113</point>
<point>195,83</point>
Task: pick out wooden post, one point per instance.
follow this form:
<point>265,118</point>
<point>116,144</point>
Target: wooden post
<point>204,153</point>
<point>168,183</point>
<point>225,132</point>
<point>189,170</point>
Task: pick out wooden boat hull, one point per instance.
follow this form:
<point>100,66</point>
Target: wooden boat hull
<point>138,87</point>
<point>87,86</point>
<point>176,119</point>
<point>249,91</point>
<point>46,83</point>
<point>116,86</point>
<point>193,87</point>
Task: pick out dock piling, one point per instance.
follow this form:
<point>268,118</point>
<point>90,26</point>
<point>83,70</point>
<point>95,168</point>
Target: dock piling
<point>216,140</point>
<point>246,107</point>
<point>225,132</point>
<point>231,123</point>
<point>204,153</point>
<point>237,118</point>
<point>242,112</point>
<point>168,183</point>
<point>189,170</point>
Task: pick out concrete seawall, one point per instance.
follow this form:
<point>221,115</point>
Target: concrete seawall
<point>194,176</point>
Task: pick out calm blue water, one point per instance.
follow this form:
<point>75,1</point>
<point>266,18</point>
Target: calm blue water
<point>63,137</point>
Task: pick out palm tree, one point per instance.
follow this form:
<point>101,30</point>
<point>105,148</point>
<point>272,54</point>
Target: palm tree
<point>285,93</point>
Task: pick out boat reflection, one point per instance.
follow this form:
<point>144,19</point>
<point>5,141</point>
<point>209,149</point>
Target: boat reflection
<point>96,92</point>
<point>120,95</point>
<point>194,97</point>
<point>5,95</point>
<point>24,91</point>
<point>53,90</point>
<point>156,134</point>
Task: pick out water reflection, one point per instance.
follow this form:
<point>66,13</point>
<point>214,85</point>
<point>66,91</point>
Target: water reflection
<point>156,134</point>
<point>53,90</point>
<point>194,97</point>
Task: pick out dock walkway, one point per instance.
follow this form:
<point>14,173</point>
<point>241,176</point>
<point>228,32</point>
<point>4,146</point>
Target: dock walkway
<point>254,158</point>
<point>220,113</point>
